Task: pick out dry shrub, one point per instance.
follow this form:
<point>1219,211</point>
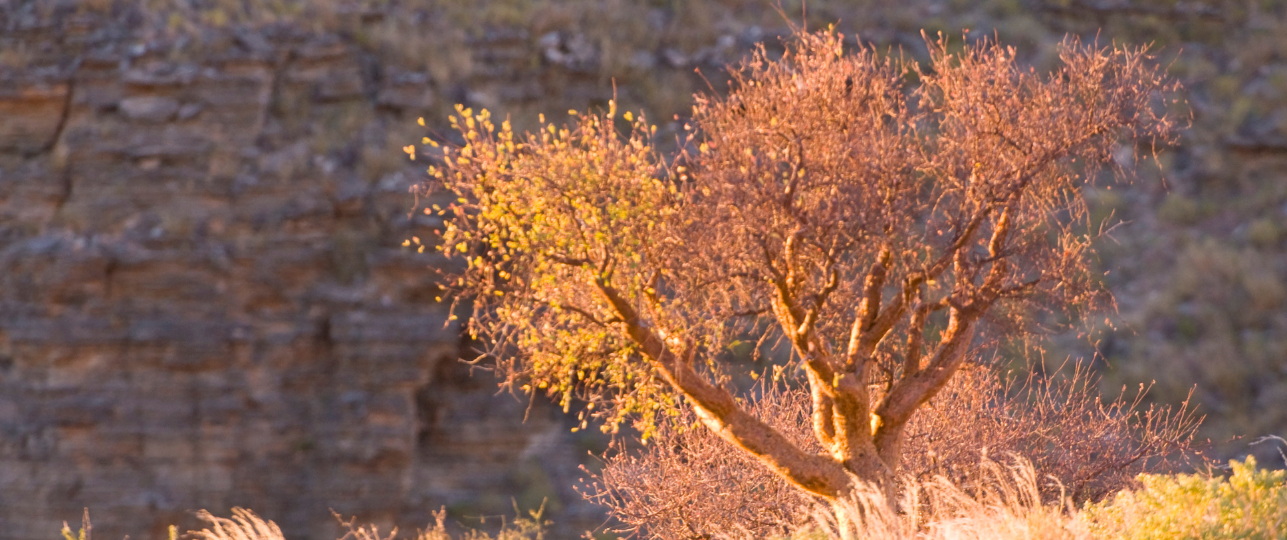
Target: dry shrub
<point>688,483</point>
<point>1093,447</point>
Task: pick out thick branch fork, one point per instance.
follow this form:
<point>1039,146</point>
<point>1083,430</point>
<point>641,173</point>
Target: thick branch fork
<point>720,413</point>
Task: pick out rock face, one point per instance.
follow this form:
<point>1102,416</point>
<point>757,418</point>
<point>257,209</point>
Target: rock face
<point>205,301</point>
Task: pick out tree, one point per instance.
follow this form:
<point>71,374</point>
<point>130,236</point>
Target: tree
<point>888,221</point>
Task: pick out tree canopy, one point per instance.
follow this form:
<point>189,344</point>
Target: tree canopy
<point>878,216</point>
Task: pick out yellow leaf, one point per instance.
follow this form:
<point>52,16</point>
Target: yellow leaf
<point>421,121</point>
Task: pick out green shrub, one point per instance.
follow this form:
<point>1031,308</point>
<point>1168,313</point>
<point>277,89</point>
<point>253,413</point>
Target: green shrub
<point>1251,504</point>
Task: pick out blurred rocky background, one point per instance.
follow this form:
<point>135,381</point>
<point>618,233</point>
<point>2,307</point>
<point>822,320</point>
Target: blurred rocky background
<point>205,301</point>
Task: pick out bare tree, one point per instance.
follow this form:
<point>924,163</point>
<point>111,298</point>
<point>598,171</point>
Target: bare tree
<point>882,218</point>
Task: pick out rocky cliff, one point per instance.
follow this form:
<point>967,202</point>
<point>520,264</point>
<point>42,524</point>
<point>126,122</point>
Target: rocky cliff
<point>205,301</point>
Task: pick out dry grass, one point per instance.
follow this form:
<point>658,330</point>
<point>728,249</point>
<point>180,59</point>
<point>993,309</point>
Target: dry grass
<point>1005,503</point>
<point>243,525</point>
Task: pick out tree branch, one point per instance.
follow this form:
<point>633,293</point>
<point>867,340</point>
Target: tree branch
<point>868,309</point>
<point>912,390</point>
<point>949,254</point>
<point>833,281</point>
<point>823,411</point>
<point>719,412</point>
<point>916,337</point>
<point>587,315</point>
<point>570,261</point>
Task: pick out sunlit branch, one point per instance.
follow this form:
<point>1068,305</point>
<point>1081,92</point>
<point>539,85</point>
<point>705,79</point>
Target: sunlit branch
<point>910,391</point>
<point>588,316</point>
<point>720,412</point>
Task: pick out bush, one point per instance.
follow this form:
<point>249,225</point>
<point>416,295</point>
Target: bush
<point>1249,504</point>
<point>687,482</point>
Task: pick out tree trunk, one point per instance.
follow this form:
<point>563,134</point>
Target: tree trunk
<point>870,469</point>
